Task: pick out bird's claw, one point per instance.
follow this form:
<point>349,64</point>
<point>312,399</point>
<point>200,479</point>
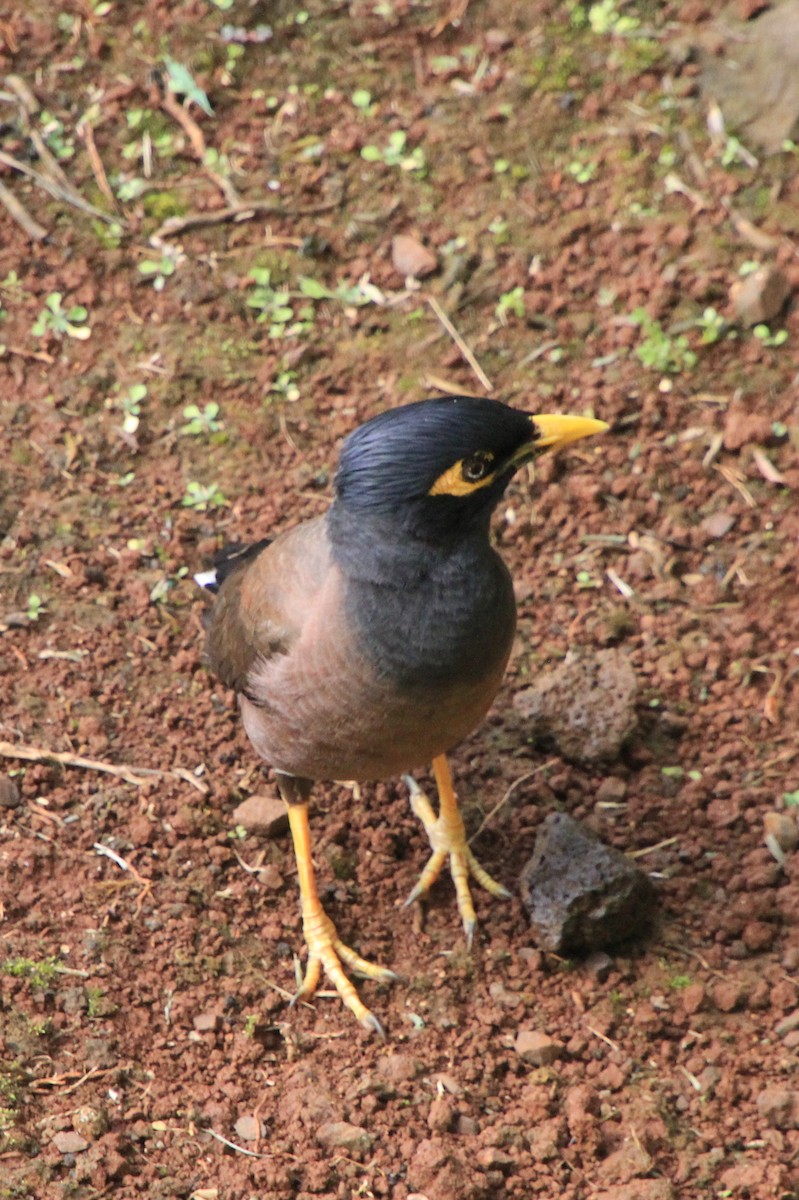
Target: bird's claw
<point>448,839</point>
<point>327,952</point>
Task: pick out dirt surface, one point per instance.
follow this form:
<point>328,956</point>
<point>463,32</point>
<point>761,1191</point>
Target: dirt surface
<point>558,164</point>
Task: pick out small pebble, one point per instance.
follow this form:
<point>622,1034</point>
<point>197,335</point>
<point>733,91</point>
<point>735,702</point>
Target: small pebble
<point>782,829</point>
<point>760,297</point>
<point>718,524</point>
<point>411,258</point>
<point>537,1048</point>
<point>9,793</point>
<point>69,1142</point>
<point>265,815</point>
<point>779,1107</point>
<point>207,1022</point>
<point>341,1135</point>
<point>249,1129</point>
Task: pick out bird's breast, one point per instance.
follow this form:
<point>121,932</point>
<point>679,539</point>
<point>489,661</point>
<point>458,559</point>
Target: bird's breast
<point>385,677</point>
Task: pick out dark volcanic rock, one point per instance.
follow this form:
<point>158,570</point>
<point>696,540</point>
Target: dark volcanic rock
<point>581,894</point>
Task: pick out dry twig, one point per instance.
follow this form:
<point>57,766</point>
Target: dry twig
<point>516,783</point>
<point>34,230</point>
<point>460,343</point>
<point>135,775</point>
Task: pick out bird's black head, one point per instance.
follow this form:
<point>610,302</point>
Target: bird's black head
<point>438,467</point>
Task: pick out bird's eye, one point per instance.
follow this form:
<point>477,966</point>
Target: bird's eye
<point>476,467</point>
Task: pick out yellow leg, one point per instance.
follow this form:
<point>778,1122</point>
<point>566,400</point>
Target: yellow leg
<point>325,949</point>
<point>448,839</point>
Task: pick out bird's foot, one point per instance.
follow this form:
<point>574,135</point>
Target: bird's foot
<point>448,839</point>
<point>326,950</point>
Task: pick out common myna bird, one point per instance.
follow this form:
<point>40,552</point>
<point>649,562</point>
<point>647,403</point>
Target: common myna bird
<point>371,640</point>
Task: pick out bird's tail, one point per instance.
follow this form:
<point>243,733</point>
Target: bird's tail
<point>229,559</point>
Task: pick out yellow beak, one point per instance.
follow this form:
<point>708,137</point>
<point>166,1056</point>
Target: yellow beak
<point>556,430</point>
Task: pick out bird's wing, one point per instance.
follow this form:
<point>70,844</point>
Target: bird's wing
<point>264,603</point>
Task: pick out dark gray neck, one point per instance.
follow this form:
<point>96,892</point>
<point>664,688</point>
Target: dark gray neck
<point>427,614</point>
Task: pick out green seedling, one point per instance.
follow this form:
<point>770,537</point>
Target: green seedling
<point>355,295</point>
<point>201,421</point>
<point>285,386</point>
<point>55,320</point>
<point>129,404</point>
<point>764,335</point>
<point>158,270</point>
<point>658,350</point>
<point>396,154</point>
<point>582,170</point>
<point>35,607</point>
<point>53,132</point>
<point>713,326</point>
<point>605,18</point>
<point>510,304</point>
<point>202,497</point>
<point>362,100</point>
<point>161,589</point>
<point>181,81</point>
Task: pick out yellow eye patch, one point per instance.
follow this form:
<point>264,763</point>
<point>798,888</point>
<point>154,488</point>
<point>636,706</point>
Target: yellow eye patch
<point>465,476</point>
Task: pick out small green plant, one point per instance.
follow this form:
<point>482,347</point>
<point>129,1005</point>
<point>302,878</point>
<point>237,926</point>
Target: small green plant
<point>201,496</point>
<point>98,1004</point>
<point>791,799</point>
<point>586,581</point>
<point>396,154</point>
<point>276,307</point>
<point>713,326</point>
<point>510,304</point>
<point>764,335</point>
<point>734,151</point>
<point>161,589</point>
<point>158,270</point>
<point>233,53</point>
<point>283,385</point>
<point>354,295</point>
<point>582,170</point>
<point>658,350</point>
<point>61,146</point>
<point>129,403</point>
<point>40,974</point>
<point>55,320</point>
<point>201,421</point>
<point>181,81</point>
<point>605,18</point>
<point>362,100</point>
<point>272,305</point>
<point>250,1024</point>
<point>13,285</point>
<point>148,125</point>
<point>35,607</point>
